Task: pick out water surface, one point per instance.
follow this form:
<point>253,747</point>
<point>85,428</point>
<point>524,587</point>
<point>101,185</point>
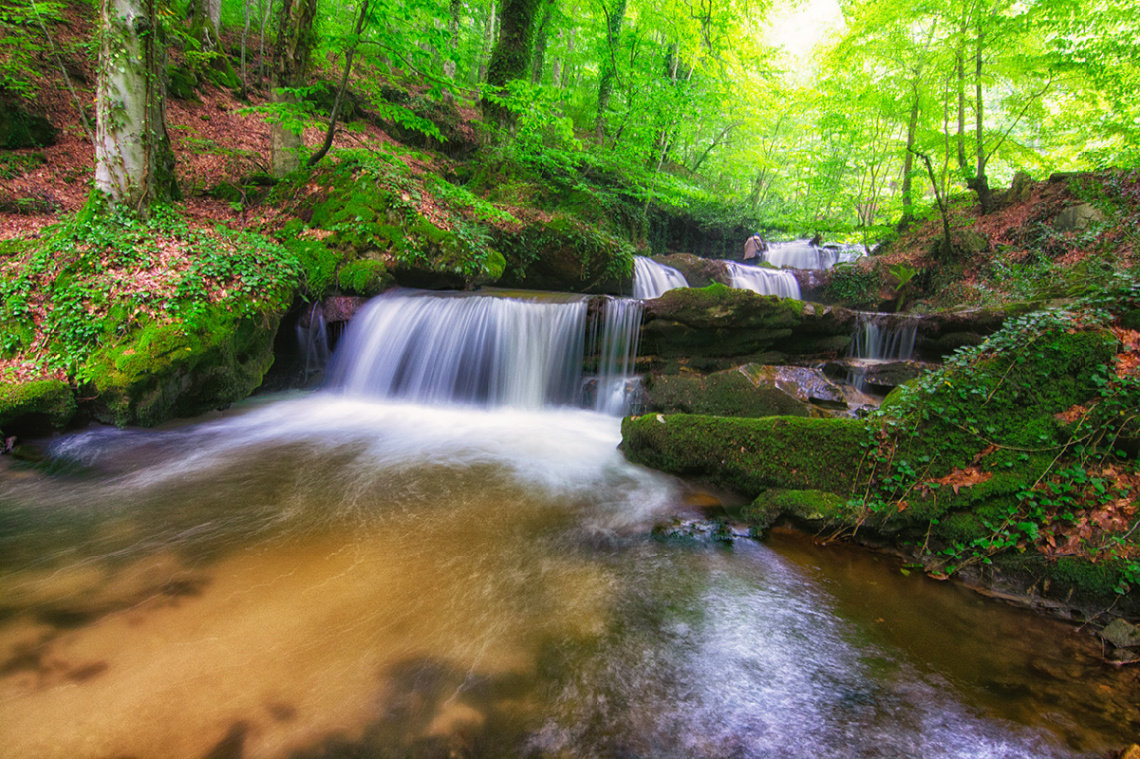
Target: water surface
<point>331,576</point>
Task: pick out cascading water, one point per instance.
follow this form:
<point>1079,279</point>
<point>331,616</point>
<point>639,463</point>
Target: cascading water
<point>313,342</point>
<point>803,254</point>
<point>764,281</point>
<point>488,350</point>
<point>652,280</point>
<point>493,351</point>
<point>616,348</point>
<point>874,341</point>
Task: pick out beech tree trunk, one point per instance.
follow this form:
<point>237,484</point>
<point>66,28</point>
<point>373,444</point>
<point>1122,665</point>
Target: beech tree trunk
<point>290,64</point>
<point>511,57</point>
<point>980,184</point>
<point>614,18</point>
<point>134,164</point>
<point>908,160</point>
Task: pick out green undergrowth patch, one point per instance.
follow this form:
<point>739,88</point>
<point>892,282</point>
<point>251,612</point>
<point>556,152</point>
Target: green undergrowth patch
<point>369,207</point>
<point>1023,446</point>
<point>95,280</point>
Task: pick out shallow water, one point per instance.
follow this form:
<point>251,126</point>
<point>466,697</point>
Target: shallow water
<point>329,576</point>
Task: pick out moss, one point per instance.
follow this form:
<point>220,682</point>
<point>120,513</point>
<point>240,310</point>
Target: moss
<point>171,370</point>
<point>363,277</point>
<point>564,254</point>
<point>807,505</point>
<point>37,407</point>
<point>749,455</point>
<point>728,393</point>
<point>318,262</point>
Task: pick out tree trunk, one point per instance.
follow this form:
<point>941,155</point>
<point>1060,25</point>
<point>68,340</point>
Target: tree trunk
<point>331,131</point>
<point>980,184</point>
<point>489,37</point>
<point>511,57</point>
<point>538,64</point>
<point>134,164</point>
<point>960,67</point>
<point>290,64</point>
<point>614,18</point>
<point>908,160</point>
<point>454,10</point>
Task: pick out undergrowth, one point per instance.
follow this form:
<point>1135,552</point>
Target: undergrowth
<point>94,280</point>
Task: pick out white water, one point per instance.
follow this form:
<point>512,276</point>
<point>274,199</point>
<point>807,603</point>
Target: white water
<point>764,281</point>
<point>489,350</point>
<point>652,280</point>
<point>874,341</point>
<point>616,348</point>
<point>802,254</point>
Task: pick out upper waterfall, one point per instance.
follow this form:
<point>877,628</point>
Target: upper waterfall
<point>764,281</point>
<point>652,280</point>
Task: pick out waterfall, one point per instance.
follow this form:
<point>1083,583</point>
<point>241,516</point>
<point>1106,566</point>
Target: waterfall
<point>490,350</point>
<point>439,348</point>
<point>802,254</point>
<point>764,281</point>
<point>617,352</point>
<point>876,341</point>
<point>652,280</point>
<point>313,341</point>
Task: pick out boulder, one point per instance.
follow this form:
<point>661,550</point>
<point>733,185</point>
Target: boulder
<point>20,129</point>
<point>35,408</point>
<point>728,393</point>
<point>1020,189</point>
<point>1121,634</point>
<point>699,272</point>
<point>749,456</point>
<point>565,255</point>
<point>1076,218</point>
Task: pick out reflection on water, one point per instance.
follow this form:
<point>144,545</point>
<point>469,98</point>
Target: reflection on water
<point>332,577</point>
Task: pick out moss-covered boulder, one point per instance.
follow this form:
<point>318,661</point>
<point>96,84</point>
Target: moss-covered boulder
<point>179,370</point>
<point>748,391</point>
<point>717,321</point>
<point>749,456</point>
<point>565,255</point>
<point>21,129</point>
<point>35,408</point>
<point>699,272</point>
<point>800,505</point>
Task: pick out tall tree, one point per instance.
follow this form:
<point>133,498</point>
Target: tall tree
<point>134,163</point>
<point>614,17</point>
<point>291,51</point>
<point>510,60</point>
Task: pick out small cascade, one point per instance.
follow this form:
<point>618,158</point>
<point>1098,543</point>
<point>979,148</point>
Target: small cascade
<point>313,342</point>
<point>764,281</point>
<point>616,348</point>
<point>803,254</point>
<point>652,280</point>
<point>877,342</point>
<point>457,348</point>
<point>492,350</point>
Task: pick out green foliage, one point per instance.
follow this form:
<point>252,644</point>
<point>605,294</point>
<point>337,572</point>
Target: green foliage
<point>98,277</point>
<point>1030,429</point>
<point>13,165</point>
<point>22,43</point>
<point>855,286</point>
<point>363,277</point>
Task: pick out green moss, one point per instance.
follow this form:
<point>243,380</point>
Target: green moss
<point>35,407</point>
<point>749,455</point>
<point>807,505</point>
<point>729,393</point>
<point>363,277</point>
<point>318,262</point>
<point>170,370</point>
<point>565,254</point>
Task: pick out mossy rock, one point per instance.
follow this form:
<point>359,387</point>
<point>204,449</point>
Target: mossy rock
<point>802,505</point>
<point>181,84</point>
<point>179,370</point>
<point>21,129</point>
<point>749,456</point>
<point>717,321</point>
<point>728,393</point>
<point>363,277</point>
<point>35,408</point>
<point>568,256</point>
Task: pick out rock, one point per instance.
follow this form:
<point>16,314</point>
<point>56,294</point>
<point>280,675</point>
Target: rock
<point>1121,634</point>
<point>699,272</point>
<point>35,408</point>
<point>727,393</point>
<point>1020,189</point>
<point>876,376</point>
<point>806,505</point>
<point>749,456</point>
<point>1076,218</point>
<point>565,255</point>
<point>1131,752</point>
<point>20,129</point>
<point>340,308</point>
<point>179,370</point>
